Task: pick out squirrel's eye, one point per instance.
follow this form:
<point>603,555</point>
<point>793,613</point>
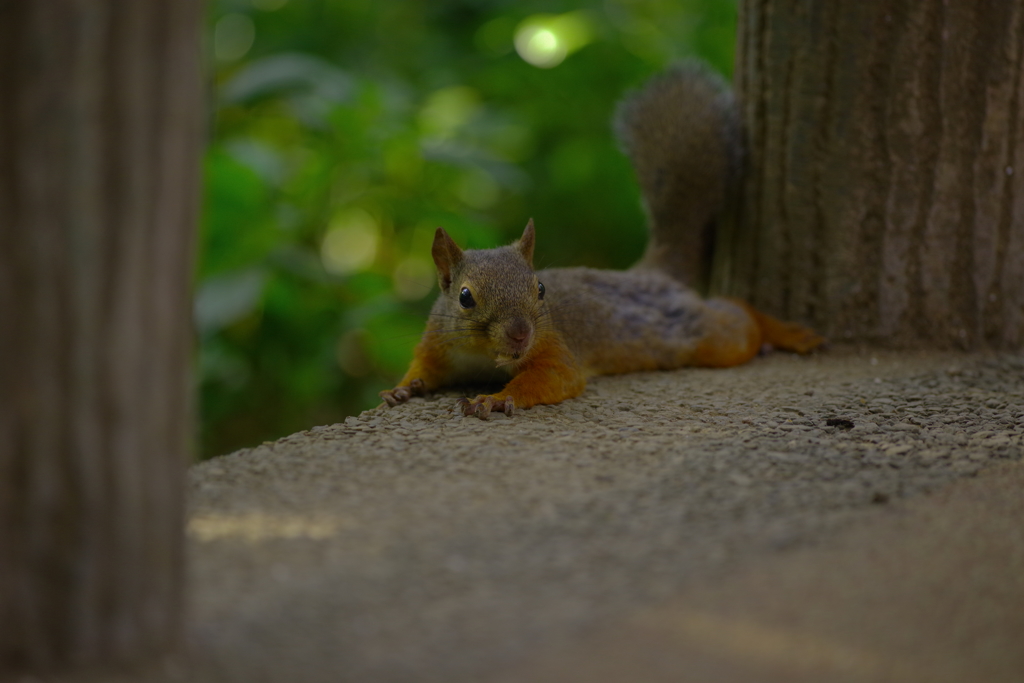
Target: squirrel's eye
<point>540,291</point>
<point>466,298</point>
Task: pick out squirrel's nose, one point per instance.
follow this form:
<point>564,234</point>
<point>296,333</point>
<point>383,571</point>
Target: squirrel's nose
<point>519,330</point>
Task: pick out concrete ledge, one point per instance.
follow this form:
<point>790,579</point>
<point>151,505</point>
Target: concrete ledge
<point>934,593</point>
<point>416,545</point>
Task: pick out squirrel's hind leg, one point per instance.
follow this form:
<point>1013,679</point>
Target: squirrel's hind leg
<point>786,336</point>
<point>731,335</point>
<point>736,331</point>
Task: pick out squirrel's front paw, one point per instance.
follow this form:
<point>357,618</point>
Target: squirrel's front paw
<point>402,394</point>
<point>481,406</point>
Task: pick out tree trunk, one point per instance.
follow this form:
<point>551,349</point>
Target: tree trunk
<point>884,199</point>
<point>100,136</point>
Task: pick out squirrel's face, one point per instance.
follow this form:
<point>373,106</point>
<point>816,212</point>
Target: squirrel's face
<point>498,298</point>
<point>493,299</point>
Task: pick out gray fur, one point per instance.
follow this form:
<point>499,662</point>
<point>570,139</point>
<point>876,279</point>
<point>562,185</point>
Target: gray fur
<point>683,135</point>
<point>647,311</point>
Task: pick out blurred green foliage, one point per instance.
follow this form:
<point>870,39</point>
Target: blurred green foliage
<point>345,131</point>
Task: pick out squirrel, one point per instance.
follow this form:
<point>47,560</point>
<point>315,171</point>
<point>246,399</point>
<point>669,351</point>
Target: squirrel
<point>546,332</point>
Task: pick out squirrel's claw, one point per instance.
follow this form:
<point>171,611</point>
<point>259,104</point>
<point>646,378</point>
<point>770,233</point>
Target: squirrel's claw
<point>481,406</point>
<point>402,394</point>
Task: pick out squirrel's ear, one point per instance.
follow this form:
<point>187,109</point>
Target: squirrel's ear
<point>526,242</point>
<point>447,256</point>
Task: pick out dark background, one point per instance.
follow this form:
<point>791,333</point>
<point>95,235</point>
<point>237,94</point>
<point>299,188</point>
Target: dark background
<point>343,132</point>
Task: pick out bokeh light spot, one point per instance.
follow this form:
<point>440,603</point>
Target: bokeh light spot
<point>545,40</point>
<point>414,278</point>
<point>351,242</point>
<point>495,37</point>
<point>448,109</point>
<point>540,46</point>
<point>233,36</point>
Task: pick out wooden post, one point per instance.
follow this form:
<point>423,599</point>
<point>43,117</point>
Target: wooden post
<point>884,196</point>
<point>100,139</point>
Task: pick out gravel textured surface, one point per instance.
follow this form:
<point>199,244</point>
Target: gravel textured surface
<point>933,594</point>
<point>413,544</point>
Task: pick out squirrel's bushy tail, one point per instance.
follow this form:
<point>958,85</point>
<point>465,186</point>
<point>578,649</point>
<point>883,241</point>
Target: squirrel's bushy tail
<point>683,135</point>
